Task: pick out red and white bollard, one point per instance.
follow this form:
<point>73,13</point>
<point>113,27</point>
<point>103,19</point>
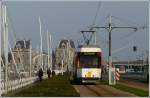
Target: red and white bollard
<point>117,74</point>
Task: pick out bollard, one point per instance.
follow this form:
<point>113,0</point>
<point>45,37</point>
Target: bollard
<point>117,74</point>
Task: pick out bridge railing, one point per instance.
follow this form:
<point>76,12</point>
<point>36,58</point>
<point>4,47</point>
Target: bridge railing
<point>18,83</point>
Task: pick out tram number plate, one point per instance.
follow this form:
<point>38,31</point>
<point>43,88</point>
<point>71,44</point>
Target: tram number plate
<point>89,74</point>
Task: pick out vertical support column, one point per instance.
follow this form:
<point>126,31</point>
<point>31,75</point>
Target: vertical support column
<point>62,64</point>
<point>5,47</point>
<point>95,38</point>
<point>51,67</point>
<point>30,70</point>
<point>68,55</point>
<point>111,69</point>
<point>110,56</point>
<point>0,43</point>
<point>109,30</point>
<point>48,49</point>
<point>112,78</point>
<point>142,61</point>
<point>41,53</point>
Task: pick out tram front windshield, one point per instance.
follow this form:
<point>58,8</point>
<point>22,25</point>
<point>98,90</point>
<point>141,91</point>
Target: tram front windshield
<point>89,61</point>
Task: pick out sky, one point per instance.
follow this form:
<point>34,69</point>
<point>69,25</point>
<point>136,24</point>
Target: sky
<point>64,20</point>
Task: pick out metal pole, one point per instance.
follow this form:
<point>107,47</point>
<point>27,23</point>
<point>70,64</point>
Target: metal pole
<point>142,60</point>
<point>48,48</point>
<point>51,53</point>
<point>95,37</point>
<point>128,63</point>
<point>67,55</point>
<point>109,30</point>
<point>69,60</point>
<point>0,42</point>
<point>64,55</point>
<point>110,55</point>
<point>41,56</point>
<point>30,59</point>
<point>62,63</point>
<point>6,47</point>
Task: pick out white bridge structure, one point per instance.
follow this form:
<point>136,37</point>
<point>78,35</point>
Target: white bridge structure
<point>18,83</point>
<point>22,71</point>
<point>20,63</point>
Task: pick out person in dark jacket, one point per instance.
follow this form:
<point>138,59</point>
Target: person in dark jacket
<point>40,74</point>
<point>48,73</point>
<point>53,73</point>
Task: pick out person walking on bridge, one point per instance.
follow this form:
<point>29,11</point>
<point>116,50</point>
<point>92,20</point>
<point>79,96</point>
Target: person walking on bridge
<point>40,74</point>
<point>48,72</point>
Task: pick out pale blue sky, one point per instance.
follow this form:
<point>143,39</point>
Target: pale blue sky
<point>66,19</point>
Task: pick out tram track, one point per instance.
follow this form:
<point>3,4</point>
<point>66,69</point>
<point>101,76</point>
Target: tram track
<point>95,90</point>
<point>85,91</point>
<point>100,91</point>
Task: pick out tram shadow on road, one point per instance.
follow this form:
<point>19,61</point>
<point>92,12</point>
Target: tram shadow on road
<point>76,82</point>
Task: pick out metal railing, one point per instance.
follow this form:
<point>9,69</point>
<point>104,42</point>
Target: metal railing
<point>18,83</point>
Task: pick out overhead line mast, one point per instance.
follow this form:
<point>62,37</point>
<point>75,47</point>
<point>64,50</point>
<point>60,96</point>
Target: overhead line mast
<point>109,28</point>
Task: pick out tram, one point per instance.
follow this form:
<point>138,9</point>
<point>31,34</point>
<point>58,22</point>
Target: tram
<point>87,66</point>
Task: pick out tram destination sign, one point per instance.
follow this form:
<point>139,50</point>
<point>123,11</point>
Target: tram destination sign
<point>88,53</point>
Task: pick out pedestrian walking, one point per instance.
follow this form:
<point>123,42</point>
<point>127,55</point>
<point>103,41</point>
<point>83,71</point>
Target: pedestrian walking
<point>40,74</point>
<point>48,72</point>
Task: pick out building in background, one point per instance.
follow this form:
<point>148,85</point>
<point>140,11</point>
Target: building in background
<point>65,52</point>
<point>21,52</point>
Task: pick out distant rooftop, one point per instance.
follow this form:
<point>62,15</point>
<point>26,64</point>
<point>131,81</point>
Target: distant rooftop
<point>23,44</point>
<point>64,42</point>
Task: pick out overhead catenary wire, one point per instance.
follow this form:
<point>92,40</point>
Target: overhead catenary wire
<point>97,10</point>
<point>133,32</point>
<point>129,22</point>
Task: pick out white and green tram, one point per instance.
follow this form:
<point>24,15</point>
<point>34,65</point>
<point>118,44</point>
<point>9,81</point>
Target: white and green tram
<point>87,66</point>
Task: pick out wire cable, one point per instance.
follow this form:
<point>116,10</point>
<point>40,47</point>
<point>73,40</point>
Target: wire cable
<point>98,8</point>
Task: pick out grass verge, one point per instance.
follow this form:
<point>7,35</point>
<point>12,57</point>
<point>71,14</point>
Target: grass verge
<point>135,91</point>
<point>57,86</point>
